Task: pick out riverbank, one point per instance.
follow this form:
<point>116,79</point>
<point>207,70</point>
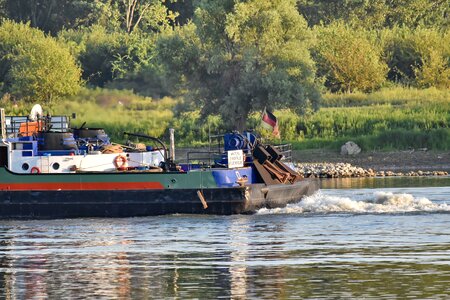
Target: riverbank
<point>327,163</point>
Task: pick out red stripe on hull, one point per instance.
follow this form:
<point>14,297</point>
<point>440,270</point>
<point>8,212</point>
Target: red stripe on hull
<point>81,186</point>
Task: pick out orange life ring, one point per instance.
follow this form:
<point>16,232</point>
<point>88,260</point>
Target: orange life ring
<point>35,170</point>
<point>121,162</point>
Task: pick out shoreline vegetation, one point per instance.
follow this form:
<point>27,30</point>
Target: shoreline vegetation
<point>376,73</point>
<point>393,118</point>
<point>390,119</point>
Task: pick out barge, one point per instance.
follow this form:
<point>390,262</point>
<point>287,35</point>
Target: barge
<point>50,170</point>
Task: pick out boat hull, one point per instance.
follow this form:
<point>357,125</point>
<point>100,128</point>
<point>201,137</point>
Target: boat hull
<point>133,195</point>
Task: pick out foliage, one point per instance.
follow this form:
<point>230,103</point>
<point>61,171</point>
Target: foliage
<point>434,69</point>
<point>377,118</point>
<point>397,139</point>
<point>35,67</point>
<point>52,15</point>
<point>394,118</point>
<point>372,12</point>
<point>417,13</point>
<point>401,54</point>
<point>192,130</point>
<point>119,111</point>
<point>105,56</point>
<point>377,13</point>
<point>349,59</point>
<point>420,56</point>
<point>394,96</point>
<point>354,121</point>
<point>233,59</point>
<point>183,9</point>
<point>240,57</point>
<point>148,15</point>
<point>114,41</point>
<point>149,81</point>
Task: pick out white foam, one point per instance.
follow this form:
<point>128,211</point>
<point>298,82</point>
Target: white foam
<point>379,202</point>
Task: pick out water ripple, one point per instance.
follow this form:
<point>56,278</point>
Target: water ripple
<point>389,243</point>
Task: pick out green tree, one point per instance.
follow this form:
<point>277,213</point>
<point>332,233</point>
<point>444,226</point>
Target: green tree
<point>368,12</point>
<point>34,67</point>
<point>401,54</point>
<point>418,57</point>
<point>349,59</point>
<point>150,14</point>
<point>3,12</point>
<point>118,51</point>
<point>419,13</point>
<point>377,13</point>
<point>183,9</point>
<point>52,15</point>
<point>135,15</point>
<point>239,57</point>
<point>434,67</point>
<point>106,56</point>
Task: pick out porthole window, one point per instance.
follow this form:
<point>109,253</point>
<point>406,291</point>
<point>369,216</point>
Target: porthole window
<point>55,166</point>
<point>25,167</point>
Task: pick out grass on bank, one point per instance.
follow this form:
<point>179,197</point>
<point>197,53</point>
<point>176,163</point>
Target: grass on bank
<point>396,95</point>
<point>398,139</point>
<point>119,111</point>
<point>392,118</point>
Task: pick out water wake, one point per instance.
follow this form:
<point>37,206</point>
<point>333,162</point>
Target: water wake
<point>379,203</point>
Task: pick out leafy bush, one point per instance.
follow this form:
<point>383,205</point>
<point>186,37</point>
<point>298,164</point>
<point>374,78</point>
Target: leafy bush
<point>349,59</point>
<point>117,60</point>
<point>420,56</point>
<point>105,55</point>
<point>35,67</point>
<point>377,13</point>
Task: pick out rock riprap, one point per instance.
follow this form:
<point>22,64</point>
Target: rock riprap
<point>335,170</point>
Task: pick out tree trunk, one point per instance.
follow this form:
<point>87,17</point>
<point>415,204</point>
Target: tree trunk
<point>241,112</point>
<point>240,123</point>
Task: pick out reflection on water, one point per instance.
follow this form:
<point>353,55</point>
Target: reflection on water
<point>270,255</point>
<point>238,257</point>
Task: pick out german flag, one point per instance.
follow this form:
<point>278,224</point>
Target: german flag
<point>270,122</point>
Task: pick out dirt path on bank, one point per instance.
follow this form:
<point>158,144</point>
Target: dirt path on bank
<point>381,161</point>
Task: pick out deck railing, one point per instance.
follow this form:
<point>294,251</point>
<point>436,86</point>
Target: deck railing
<point>55,123</point>
<point>200,158</point>
<point>286,150</point>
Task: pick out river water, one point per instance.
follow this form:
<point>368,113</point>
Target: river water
<point>356,238</point>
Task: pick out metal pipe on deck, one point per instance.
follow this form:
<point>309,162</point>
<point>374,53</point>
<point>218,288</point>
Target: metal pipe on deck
<point>3,123</point>
<point>153,139</point>
<point>172,143</point>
